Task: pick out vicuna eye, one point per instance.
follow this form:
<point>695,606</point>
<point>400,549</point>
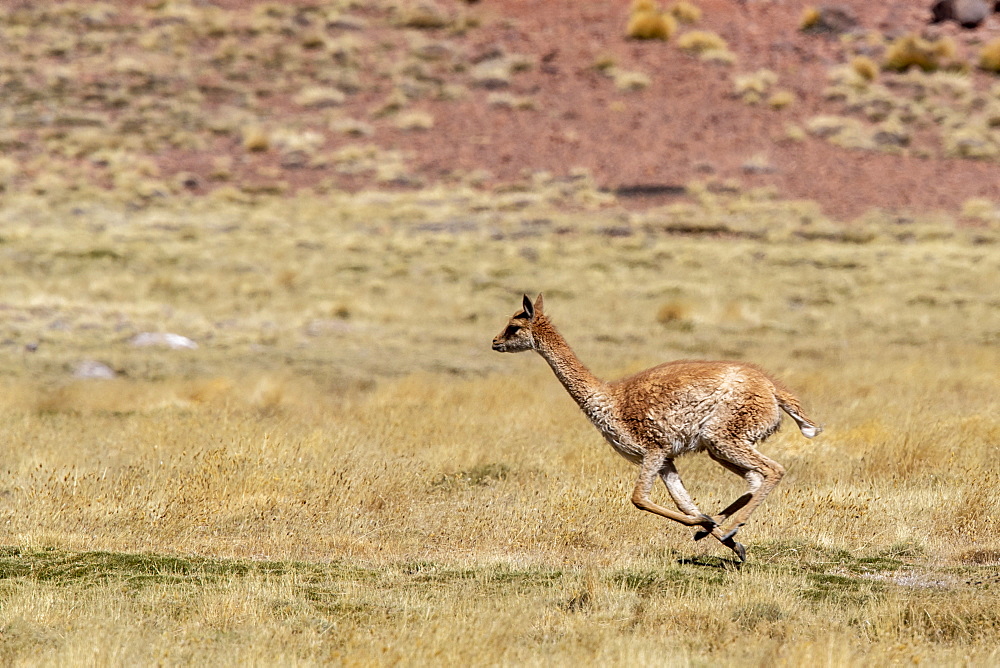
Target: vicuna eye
<point>511,330</point>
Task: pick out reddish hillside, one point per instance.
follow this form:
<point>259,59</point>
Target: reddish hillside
<point>278,96</point>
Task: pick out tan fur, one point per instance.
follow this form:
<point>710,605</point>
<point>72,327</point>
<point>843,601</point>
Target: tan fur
<point>724,408</point>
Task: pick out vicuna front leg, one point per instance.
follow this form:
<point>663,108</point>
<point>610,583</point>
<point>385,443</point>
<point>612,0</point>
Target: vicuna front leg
<point>652,465</point>
<point>672,479</point>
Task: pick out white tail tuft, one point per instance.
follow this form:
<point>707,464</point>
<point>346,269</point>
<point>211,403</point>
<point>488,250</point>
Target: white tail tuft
<point>809,430</point>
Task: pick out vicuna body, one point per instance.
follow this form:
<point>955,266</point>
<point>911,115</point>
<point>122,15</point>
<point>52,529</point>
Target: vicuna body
<point>724,408</point>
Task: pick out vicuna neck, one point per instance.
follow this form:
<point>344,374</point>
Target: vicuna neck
<point>581,384</point>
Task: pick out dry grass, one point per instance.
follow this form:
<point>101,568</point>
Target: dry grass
<point>342,471</point>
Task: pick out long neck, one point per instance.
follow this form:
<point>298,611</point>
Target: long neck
<point>581,384</point>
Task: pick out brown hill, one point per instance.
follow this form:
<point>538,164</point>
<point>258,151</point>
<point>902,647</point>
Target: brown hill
<point>154,97</point>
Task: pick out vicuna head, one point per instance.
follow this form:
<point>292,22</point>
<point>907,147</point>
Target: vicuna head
<point>518,335</point>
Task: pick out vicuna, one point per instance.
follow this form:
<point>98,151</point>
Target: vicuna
<point>723,408</point>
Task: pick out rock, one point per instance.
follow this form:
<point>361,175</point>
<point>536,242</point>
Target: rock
<point>165,339</point>
<point>92,369</point>
<point>967,13</point>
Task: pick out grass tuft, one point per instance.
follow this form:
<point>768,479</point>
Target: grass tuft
<point>865,67</point>
<point>911,51</point>
<point>685,12</point>
<point>700,41</point>
<point>989,56</point>
<point>810,18</point>
<point>650,24</point>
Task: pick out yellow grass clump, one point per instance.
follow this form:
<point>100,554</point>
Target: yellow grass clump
<point>809,18</point>
<point>422,14</point>
<point>781,99</point>
<point>865,67</point>
<point>700,41</point>
<point>989,56</point>
<point>685,12</point>
<point>752,87</point>
<point>644,6</point>
<point>414,120</point>
<point>650,24</point>
<point>914,51</point>
<point>256,139</point>
<point>628,80</point>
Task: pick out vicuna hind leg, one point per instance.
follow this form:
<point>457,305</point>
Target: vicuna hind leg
<point>761,473</point>
<point>752,478</point>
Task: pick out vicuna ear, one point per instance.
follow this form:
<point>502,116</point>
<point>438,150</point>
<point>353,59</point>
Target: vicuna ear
<point>529,310</point>
<point>538,303</point>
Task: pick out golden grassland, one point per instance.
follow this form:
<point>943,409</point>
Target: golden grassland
<point>343,471</point>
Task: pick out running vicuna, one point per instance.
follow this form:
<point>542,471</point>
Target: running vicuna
<point>724,408</point>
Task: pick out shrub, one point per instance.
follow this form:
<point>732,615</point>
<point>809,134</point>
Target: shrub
<point>604,62</point>
<point>752,87</point>
<point>700,41</point>
<point>809,19</point>
<point>721,56</point>
<point>865,68</point>
<point>913,51</point>
<point>685,12</point>
<point>255,139</point>
<point>626,80</point>
<point>645,24</point>
<point>415,120</point>
<point>319,97</point>
<point>989,56</point>
<point>422,14</point>
<point>781,99</point>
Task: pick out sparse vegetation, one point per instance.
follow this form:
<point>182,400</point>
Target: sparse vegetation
<point>883,115</point>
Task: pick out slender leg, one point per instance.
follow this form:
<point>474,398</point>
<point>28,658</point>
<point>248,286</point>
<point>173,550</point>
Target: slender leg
<point>649,468</point>
<point>753,479</point>
<point>760,472</point>
<point>672,479</point>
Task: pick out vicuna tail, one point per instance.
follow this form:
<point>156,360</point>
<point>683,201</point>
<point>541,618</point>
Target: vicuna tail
<point>790,405</point>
